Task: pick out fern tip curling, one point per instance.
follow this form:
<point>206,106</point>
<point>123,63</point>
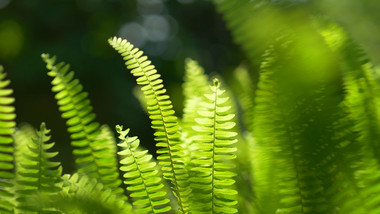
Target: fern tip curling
<point>43,125</point>
<point>122,133</point>
<point>216,82</point>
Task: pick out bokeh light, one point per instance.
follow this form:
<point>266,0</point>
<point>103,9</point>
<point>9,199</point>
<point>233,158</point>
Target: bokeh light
<point>150,7</point>
<point>134,33</point>
<point>157,28</point>
<point>4,3</point>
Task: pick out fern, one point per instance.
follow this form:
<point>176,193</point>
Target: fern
<point>107,135</point>
<point>163,119</point>
<point>243,85</point>
<point>195,85</point>
<point>141,176</point>
<point>39,175</point>
<point>23,136</point>
<point>7,124</point>
<point>215,150</point>
<point>361,86</point>
<point>94,156</point>
<point>361,181</point>
<point>295,118</point>
<point>82,194</point>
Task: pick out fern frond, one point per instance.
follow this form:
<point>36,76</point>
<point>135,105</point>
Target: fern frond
<point>362,88</point>
<point>243,87</point>
<point>294,126</point>
<point>38,175</point>
<point>361,180</point>
<point>82,194</point>
<point>245,18</point>
<point>163,119</point>
<point>7,124</point>
<point>94,156</point>
<point>195,85</point>
<point>141,176</point>
<point>196,81</point>
<point>213,182</point>
<point>23,136</point>
<point>108,136</point>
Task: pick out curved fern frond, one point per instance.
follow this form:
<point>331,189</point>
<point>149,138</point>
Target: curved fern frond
<point>360,180</point>
<point>141,176</point>
<point>93,155</point>
<point>82,194</point>
<point>23,136</point>
<point>195,85</point>
<point>215,145</point>
<point>362,88</point>
<point>244,88</point>
<point>107,135</point>
<point>298,127</point>
<point>163,119</point>
<point>7,124</point>
<point>38,175</point>
<point>245,18</point>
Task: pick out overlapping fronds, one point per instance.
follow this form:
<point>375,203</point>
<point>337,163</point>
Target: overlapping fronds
<point>162,115</point>
<point>82,194</point>
<point>245,19</point>
<point>295,127</point>
<point>38,175</point>
<point>215,150</point>
<point>244,87</point>
<point>361,85</point>
<point>361,179</point>
<point>7,125</point>
<point>195,85</point>
<point>238,16</point>
<point>94,156</point>
<point>141,176</point>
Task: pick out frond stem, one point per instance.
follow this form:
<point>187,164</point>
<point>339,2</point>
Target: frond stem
<point>213,151</point>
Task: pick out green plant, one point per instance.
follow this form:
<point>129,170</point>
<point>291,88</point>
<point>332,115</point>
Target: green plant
<point>308,141</point>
